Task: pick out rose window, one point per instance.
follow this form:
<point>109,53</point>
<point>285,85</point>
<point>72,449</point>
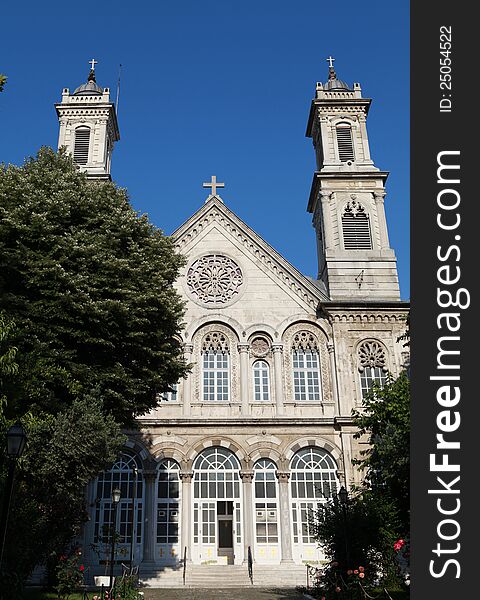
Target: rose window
<point>214,280</point>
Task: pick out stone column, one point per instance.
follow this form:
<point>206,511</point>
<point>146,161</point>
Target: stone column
<point>363,132</point>
<point>327,221</point>
<point>277,350</point>
<point>186,539</point>
<point>187,384</point>
<point>333,369</point>
<point>382,221</point>
<point>149,478</point>
<point>285,512</point>
<point>243,351</point>
<point>248,511</point>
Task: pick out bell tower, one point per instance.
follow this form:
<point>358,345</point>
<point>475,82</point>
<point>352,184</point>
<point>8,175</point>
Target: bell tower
<point>89,127</point>
<point>355,260</point>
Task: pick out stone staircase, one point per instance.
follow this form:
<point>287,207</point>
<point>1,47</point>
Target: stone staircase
<point>226,576</point>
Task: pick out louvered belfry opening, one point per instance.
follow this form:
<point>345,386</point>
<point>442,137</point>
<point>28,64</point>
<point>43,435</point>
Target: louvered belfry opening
<point>82,143</point>
<point>345,143</point>
<point>356,228</point>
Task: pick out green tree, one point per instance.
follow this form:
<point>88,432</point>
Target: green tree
<point>3,81</point>
<point>89,283</point>
<point>385,419</point>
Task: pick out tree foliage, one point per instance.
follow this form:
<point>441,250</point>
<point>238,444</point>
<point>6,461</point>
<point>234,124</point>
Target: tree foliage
<point>385,419</point>
<point>89,283</point>
<point>3,81</point>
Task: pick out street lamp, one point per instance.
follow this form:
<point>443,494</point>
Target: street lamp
<point>115,500</point>
<point>16,440</point>
<point>343,497</point>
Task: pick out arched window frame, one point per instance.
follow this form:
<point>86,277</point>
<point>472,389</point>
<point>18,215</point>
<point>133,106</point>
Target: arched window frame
<point>261,381</point>
<point>81,144</point>
<point>120,475</point>
<point>215,368</point>
<point>372,365</point>
<point>307,380</point>
<point>266,502</point>
<point>313,480</point>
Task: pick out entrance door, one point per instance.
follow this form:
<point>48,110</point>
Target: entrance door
<point>225,529</point>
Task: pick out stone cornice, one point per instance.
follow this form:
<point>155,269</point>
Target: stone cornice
<point>242,421</point>
<point>215,211</point>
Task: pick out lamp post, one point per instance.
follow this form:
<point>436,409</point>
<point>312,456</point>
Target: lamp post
<point>16,440</point>
<point>115,500</point>
<point>343,497</point>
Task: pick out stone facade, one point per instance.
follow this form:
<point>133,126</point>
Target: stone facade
<point>260,432</point>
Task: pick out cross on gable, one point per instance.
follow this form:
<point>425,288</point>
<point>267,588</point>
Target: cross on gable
<point>93,62</point>
<point>213,184</point>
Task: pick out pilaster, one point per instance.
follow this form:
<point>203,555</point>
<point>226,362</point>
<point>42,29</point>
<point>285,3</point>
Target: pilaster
<point>285,512</point>
<point>277,350</point>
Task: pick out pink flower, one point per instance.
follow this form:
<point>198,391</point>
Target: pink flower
<point>361,569</point>
<point>349,572</point>
<point>362,575</point>
<point>356,571</point>
<point>338,590</point>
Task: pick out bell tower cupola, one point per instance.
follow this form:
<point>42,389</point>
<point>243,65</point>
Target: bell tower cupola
<point>88,126</point>
<point>355,260</point>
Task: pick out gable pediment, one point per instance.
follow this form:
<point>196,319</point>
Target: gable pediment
<point>215,220</point>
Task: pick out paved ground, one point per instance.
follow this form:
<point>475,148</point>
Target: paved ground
<point>225,594</point>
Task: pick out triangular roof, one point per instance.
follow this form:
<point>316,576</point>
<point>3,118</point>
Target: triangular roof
<point>215,210</point>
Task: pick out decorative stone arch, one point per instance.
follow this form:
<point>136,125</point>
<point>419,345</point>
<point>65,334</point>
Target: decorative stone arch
<point>316,442</point>
<point>317,337</point>
<point>260,452</point>
<point>260,329</point>
<point>222,442</point>
<point>140,448</point>
<point>322,325</point>
<point>162,451</point>
<point>232,339</point>
<point>358,207</point>
<point>192,331</point>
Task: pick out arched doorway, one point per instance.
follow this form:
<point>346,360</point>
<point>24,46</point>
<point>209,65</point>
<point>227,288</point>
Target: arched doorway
<point>217,535</point>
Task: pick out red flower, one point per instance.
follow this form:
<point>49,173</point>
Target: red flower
<point>361,569</point>
<point>82,568</point>
<point>356,571</point>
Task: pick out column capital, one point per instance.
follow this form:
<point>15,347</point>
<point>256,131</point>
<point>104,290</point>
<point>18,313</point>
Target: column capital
<point>149,475</point>
<point>243,347</point>
<point>283,476</point>
<point>247,476</point>
<point>325,197</point>
<point>188,348</point>
<point>277,348</point>
<point>186,476</point>
<point>379,196</point>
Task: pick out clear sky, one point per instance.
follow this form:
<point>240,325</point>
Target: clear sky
<point>216,87</point>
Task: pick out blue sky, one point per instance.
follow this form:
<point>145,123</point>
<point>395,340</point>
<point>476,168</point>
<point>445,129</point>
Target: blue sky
<point>216,87</point>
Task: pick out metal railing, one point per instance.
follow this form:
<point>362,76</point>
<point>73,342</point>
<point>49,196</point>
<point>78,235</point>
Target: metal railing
<point>184,564</point>
<point>250,565</point>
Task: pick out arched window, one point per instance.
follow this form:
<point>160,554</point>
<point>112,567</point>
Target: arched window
<point>306,367</point>
<point>371,366</point>
<point>82,143</point>
<point>345,142</point>
<point>125,475</point>
<point>313,480</point>
<point>216,368</point>
<point>261,381</point>
<point>356,227</point>
<point>168,493</point>
<point>266,509</point>
<point>216,492</point>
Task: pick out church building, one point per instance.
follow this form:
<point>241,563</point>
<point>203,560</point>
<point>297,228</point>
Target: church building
<point>237,456</point>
